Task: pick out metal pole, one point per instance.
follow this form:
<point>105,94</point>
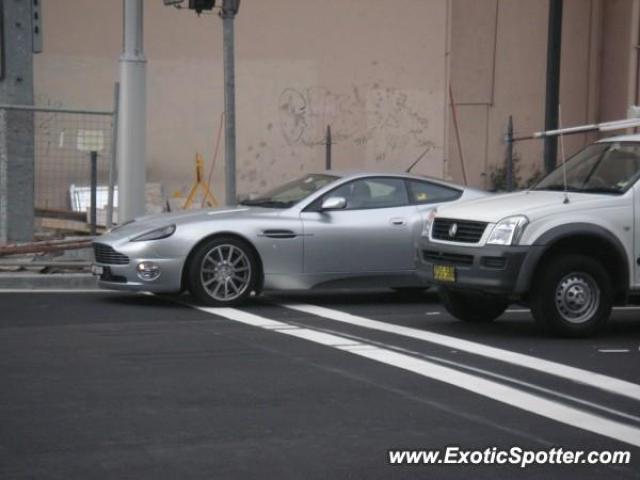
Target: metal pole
<point>94,191</point>
<point>554,44</point>
<point>131,133</point>
<point>328,153</point>
<point>112,163</point>
<point>510,154</point>
<point>228,14</point>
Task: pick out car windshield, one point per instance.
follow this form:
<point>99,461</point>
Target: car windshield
<point>599,168</point>
<point>291,193</point>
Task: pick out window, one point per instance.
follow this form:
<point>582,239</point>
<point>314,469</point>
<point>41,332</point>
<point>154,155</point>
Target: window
<point>291,193</point>
<point>426,192</point>
<point>373,193</point>
<point>608,168</point>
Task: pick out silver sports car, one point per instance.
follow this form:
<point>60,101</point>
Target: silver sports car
<point>321,230</point>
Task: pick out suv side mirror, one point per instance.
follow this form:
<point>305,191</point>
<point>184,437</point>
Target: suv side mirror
<point>333,203</point>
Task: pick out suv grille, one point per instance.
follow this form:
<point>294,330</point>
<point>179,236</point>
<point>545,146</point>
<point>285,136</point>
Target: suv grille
<point>465,231</point>
<point>107,255</point>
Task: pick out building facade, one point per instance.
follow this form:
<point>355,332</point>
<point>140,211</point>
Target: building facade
<point>387,77</point>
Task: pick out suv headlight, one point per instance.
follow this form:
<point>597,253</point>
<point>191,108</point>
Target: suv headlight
<point>431,215</point>
<point>157,234</point>
<point>508,230</point>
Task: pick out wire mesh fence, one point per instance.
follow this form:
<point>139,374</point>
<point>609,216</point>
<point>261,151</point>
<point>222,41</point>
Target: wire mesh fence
<point>65,143</point>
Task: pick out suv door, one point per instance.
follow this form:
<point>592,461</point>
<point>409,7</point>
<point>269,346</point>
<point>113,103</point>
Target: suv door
<point>374,233</point>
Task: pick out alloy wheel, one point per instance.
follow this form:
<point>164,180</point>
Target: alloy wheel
<point>225,272</point>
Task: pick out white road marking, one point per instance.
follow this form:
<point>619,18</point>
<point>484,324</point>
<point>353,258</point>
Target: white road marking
<point>433,313</point>
<point>538,388</point>
<point>593,379</point>
<point>481,386</point>
<point>614,350</point>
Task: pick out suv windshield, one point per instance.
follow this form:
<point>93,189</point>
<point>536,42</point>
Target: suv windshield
<point>599,168</point>
<point>291,193</point>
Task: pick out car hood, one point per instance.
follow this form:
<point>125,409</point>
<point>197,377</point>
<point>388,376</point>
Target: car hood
<point>144,224</point>
<point>532,203</point>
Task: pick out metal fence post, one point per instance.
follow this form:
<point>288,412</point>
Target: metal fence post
<point>328,152</point>
<point>94,191</point>
<point>113,161</point>
<point>509,173</point>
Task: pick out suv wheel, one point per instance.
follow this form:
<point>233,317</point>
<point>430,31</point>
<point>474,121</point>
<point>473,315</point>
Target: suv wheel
<point>473,307</point>
<point>572,296</point>
<point>222,272</point>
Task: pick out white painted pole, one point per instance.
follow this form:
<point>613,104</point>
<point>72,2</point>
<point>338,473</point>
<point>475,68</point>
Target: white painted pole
<point>131,149</point>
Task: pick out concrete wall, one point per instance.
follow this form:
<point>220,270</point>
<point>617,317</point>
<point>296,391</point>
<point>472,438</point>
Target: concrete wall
<point>619,75</point>
<point>374,70</point>
<point>599,75</point>
<point>498,68</point>
<point>377,71</point>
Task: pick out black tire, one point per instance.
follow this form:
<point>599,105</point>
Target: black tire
<point>473,307</point>
<point>571,296</point>
<point>202,268</point>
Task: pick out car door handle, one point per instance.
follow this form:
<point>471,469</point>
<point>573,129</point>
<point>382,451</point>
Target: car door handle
<point>398,221</point>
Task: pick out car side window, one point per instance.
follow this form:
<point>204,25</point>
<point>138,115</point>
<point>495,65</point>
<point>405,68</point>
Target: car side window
<point>421,193</point>
<point>372,193</point>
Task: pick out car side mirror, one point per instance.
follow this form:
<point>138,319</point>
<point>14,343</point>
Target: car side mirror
<point>333,203</point>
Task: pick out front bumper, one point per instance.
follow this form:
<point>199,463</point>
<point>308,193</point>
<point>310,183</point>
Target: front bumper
<point>489,269</point>
<point>125,276</point>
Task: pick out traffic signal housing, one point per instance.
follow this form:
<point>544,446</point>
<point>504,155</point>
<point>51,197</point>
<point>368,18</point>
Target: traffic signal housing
<point>200,5</point>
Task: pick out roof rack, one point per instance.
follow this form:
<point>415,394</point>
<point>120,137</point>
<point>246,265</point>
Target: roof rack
<point>632,121</point>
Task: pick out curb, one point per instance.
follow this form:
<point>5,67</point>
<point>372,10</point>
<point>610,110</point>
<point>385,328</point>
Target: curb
<point>53,281</point>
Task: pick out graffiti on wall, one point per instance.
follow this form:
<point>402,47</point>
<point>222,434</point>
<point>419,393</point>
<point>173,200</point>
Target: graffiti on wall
<point>383,119</point>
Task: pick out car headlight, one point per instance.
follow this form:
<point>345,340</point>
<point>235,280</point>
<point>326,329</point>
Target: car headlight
<point>431,215</point>
<point>508,230</point>
<point>156,234</point>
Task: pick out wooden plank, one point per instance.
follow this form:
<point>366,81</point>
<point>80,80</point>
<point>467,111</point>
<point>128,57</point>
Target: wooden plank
<point>66,225</point>
<point>38,247</point>
<point>65,214</point>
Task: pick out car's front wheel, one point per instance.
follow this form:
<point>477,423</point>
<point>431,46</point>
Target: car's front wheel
<point>572,296</point>
<point>222,272</point>
<point>472,307</point>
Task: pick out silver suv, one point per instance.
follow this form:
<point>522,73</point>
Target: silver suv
<point>569,247</point>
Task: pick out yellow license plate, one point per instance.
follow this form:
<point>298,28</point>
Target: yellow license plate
<point>444,273</point>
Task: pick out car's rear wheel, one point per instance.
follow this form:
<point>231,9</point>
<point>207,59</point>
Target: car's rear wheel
<point>472,307</point>
<point>572,296</point>
<point>222,272</point>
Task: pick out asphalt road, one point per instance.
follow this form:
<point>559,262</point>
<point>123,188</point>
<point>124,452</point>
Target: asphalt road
<point>111,385</point>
